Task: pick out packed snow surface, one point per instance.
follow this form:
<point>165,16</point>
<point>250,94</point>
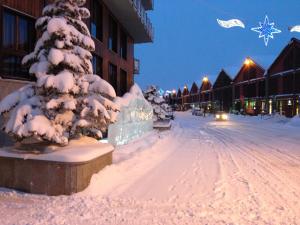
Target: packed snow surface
<point>243,171</point>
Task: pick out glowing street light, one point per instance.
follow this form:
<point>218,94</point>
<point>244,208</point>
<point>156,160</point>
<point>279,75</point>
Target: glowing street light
<point>174,92</point>
<point>205,79</point>
<point>248,62</point>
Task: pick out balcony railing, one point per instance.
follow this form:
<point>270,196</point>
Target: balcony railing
<point>137,66</point>
<point>139,8</point>
<point>148,4</point>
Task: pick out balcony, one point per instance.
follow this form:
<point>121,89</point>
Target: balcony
<point>136,66</point>
<point>148,4</point>
<point>133,17</point>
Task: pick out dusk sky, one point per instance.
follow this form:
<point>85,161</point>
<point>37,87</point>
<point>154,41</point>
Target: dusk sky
<point>190,44</point>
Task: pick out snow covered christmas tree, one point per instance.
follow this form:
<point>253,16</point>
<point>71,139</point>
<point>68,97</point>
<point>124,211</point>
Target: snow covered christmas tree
<point>67,101</point>
<point>158,103</point>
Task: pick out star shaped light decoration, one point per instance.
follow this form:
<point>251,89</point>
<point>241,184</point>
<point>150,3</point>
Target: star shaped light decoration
<point>266,30</point>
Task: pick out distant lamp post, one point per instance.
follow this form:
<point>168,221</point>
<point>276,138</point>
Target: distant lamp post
<point>174,92</point>
<point>248,62</point>
<point>205,79</point>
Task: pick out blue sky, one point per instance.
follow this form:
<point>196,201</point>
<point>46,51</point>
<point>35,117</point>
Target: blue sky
<point>189,43</point>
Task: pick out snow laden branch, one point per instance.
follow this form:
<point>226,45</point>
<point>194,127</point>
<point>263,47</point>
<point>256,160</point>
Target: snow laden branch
<point>158,103</point>
<point>67,100</point>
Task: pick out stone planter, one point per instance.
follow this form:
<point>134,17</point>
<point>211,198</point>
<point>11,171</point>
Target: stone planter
<point>162,125</point>
<point>62,172</point>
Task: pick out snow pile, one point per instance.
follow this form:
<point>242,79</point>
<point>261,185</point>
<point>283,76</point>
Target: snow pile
<point>244,171</point>
<point>134,119</point>
<point>67,101</point>
<point>160,107</point>
<point>295,122</point>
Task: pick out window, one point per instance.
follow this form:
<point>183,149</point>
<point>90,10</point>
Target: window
<point>123,45</point>
<point>9,34</point>
<point>113,35</point>
<point>18,38</point>
<point>12,67</point>
<point>123,82</point>
<point>97,66</point>
<point>112,76</point>
<point>97,20</point>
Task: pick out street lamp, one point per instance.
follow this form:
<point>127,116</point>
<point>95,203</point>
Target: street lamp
<point>205,79</point>
<point>248,61</point>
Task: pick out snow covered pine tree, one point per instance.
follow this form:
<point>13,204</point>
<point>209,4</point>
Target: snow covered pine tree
<point>67,101</point>
<point>158,103</point>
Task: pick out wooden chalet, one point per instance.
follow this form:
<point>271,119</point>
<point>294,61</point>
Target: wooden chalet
<point>283,81</point>
<point>249,88</point>
<point>222,92</point>
<point>185,96</point>
<point>194,97</point>
<point>179,97</point>
<point>205,93</point>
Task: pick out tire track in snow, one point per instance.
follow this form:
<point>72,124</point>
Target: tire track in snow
<point>262,174</point>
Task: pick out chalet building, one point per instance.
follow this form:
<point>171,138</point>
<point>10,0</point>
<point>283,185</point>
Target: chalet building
<point>185,97</point>
<point>178,97</point>
<point>249,88</point>
<point>115,25</point>
<point>194,97</point>
<point>222,92</point>
<point>253,90</point>
<point>205,94</point>
<point>283,80</point>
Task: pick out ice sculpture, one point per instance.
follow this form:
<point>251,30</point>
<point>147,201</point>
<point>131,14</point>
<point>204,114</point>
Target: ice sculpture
<point>135,118</point>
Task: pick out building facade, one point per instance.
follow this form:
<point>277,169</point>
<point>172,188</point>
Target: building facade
<point>283,80</point>
<point>254,90</point>
<point>222,92</point>
<point>205,95</point>
<point>194,94</point>
<point>249,88</point>
<point>115,25</point>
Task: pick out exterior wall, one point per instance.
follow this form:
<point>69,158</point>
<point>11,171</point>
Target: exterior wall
<point>33,8</point>
<point>222,98</point>
<point>283,80</point>
<point>248,88</point>
<point>109,56</point>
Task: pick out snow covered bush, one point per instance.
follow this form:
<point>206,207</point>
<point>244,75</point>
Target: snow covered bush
<point>158,103</point>
<point>67,100</point>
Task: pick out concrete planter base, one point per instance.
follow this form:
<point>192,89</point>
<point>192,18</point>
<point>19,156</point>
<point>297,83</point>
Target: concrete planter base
<point>59,173</point>
<point>162,125</point>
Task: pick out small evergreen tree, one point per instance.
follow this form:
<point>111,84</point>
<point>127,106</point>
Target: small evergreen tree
<point>158,103</point>
<point>67,100</point>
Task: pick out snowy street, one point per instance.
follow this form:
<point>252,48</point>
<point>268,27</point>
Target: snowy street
<point>244,171</point>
